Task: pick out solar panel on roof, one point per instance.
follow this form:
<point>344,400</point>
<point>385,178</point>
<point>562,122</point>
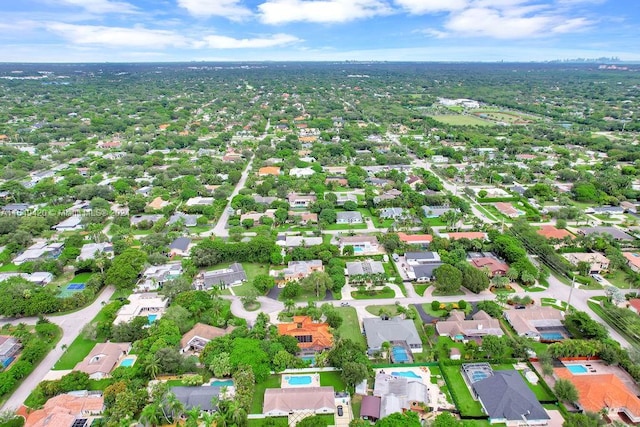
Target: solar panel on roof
<point>79,422</point>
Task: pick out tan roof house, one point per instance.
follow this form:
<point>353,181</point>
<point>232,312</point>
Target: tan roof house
<point>597,262</point>
<point>480,325</point>
<point>283,401</point>
<point>158,203</point>
<point>527,321</point>
<point>269,170</point>
<point>633,260</point>
<point>197,338</point>
<point>103,359</point>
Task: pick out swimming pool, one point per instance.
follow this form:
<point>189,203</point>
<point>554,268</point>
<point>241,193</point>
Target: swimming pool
<point>151,318</point>
<point>551,336</point>
<point>407,374</point>
<point>298,380</point>
<point>357,250</point>
<point>128,362</point>
<point>222,383</point>
<point>577,369</point>
<point>399,354</point>
<point>310,359</point>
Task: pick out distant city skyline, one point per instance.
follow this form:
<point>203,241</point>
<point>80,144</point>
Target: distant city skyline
<point>317,30</point>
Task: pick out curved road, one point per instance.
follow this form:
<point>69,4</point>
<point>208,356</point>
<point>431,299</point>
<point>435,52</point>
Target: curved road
<point>71,325</point>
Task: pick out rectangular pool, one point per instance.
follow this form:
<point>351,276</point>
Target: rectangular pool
<point>128,362</point>
<point>221,383</point>
<point>577,369</point>
<point>399,354</point>
<point>551,336</point>
<point>299,380</point>
<point>407,374</point>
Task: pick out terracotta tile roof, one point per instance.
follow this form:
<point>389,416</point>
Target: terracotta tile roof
<point>495,266</point>
<point>602,390</point>
<point>62,410</point>
<point>321,338</point>
<point>635,303</point>
<point>633,258</point>
<point>415,238</point>
<point>551,232</point>
<point>269,170</point>
<point>467,235</point>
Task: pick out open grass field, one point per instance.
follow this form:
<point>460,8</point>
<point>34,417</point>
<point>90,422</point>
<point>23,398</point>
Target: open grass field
<point>460,120</point>
<point>350,327</point>
<point>507,117</point>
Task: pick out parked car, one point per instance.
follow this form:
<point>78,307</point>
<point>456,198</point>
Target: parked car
<point>598,277</point>
<point>344,304</point>
<point>340,411</point>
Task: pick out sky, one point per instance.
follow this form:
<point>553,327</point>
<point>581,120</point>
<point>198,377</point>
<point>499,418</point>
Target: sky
<point>317,30</point>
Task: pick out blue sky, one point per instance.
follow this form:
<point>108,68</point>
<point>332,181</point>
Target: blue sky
<point>292,30</point>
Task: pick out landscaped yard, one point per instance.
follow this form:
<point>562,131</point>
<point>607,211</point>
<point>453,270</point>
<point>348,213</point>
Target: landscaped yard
<point>332,379</point>
<point>81,278</point>
<point>459,389</point>
<point>618,279</point>
<point>258,396</point>
<point>350,327</point>
<point>8,267</point>
<point>374,294</point>
<point>77,351</point>
<point>390,309</point>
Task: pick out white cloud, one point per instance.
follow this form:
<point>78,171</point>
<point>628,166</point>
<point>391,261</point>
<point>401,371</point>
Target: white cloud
<point>322,11</point>
<point>224,42</point>
<point>418,7</point>
<point>572,25</point>
<point>118,36</point>
<point>231,9</point>
<point>491,23</point>
<point>101,6</point>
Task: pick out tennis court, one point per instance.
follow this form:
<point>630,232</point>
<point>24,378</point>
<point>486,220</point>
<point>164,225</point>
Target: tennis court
<point>71,289</point>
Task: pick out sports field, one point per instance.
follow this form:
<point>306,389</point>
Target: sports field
<point>460,120</point>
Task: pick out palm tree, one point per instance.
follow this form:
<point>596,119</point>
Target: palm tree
<point>386,346</point>
<point>150,415</point>
<point>152,366</point>
<point>174,406</point>
<point>193,415</point>
<point>289,305</point>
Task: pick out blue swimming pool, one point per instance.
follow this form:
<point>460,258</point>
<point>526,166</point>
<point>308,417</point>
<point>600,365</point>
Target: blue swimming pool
<point>222,383</point>
<point>399,354</point>
<point>299,380</point>
<point>310,359</point>
<point>551,336</point>
<point>408,374</point>
<point>128,362</point>
<point>357,250</point>
<point>577,369</point>
<point>152,318</point>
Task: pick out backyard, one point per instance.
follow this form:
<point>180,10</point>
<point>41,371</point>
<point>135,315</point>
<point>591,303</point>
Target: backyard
<point>350,327</point>
<point>458,388</point>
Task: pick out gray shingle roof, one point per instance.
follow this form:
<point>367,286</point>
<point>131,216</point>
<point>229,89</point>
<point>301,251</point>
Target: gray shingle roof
<point>396,329</point>
<point>505,395</point>
<point>192,397</point>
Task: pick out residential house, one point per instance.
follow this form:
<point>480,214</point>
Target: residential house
<point>40,278</point>
<point>181,246</point>
<point>297,270</point>
<point>605,210</point>
<point>634,305</point>
<point>157,204</point>
<point>349,217</point>
<point>489,263</point>
<point>366,267</point>
<point>200,201</point>
<point>633,260</point>
<point>629,206</point>
<point>288,241</point>
<point>507,209</point>
<point>386,196</point>
<point>395,330</point>
<point>312,337</point>
<point>436,211</point>
<point>39,251</point>
<point>399,393</point>
<point>136,220</point>
<point>457,327</point>
<point>269,170</point>
<point>506,398</point>
<point>301,172</point>
<point>149,305</point>
<point>74,409</point>
<point>257,216</point>
<point>415,239</point>
<point>604,392</point>
<point>527,321</point>
<point>614,232</point>
<point>551,232</point>
<point>226,277</point>
<point>304,217</point>
<point>300,200</point>
<point>597,262</point>
<point>264,200</point>
<point>9,347</point>
<point>90,250</point>
<point>102,359</point>
<point>370,408</point>
<point>156,275</point>
<point>378,182</point>
<point>70,224</point>
<point>338,180</point>
<point>16,209</point>
<point>197,397</point>
<point>197,338</point>
<point>362,244</point>
<point>283,402</point>
<point>342,198</point>
<point>188,220</point>
<point>144,191</point>
<point>392,213</point>
<point>421,265</point>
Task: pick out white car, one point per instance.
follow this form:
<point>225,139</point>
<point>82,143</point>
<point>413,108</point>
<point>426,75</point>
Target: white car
<point>598,277</point>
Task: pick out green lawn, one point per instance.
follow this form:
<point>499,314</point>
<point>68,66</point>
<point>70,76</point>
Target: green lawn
<point>420,288</point>
<point>458,388</point>
<point>461,120</point>
<point>374,294</point>
<point>269,421</point>
<point>258,396</point>
<point>81,278</point>
<point>350,327</point>
<point>8,267</point>
<point>346,227</point>
<point>332,379</point>
<point>437,293</point>
<point>618,279</point>
<point>539,390</point>
<point>391,309</point>
<point>77,351</point>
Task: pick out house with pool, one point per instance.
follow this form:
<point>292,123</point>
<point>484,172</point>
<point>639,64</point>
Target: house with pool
<point>104,358</point>
<point>401,334</point>
<point>362,244</point>
<point>399,392</point>
<point>313,337</point>
<point>149,305</point>
<point>287,402</point>
<point>458,328</point>
<point>538,323</point>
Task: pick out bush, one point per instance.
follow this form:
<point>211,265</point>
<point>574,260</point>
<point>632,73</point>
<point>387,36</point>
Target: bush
<point>462,304</point>
<point>435,305</point>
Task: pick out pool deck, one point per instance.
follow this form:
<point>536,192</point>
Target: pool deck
<point>315,380</point>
